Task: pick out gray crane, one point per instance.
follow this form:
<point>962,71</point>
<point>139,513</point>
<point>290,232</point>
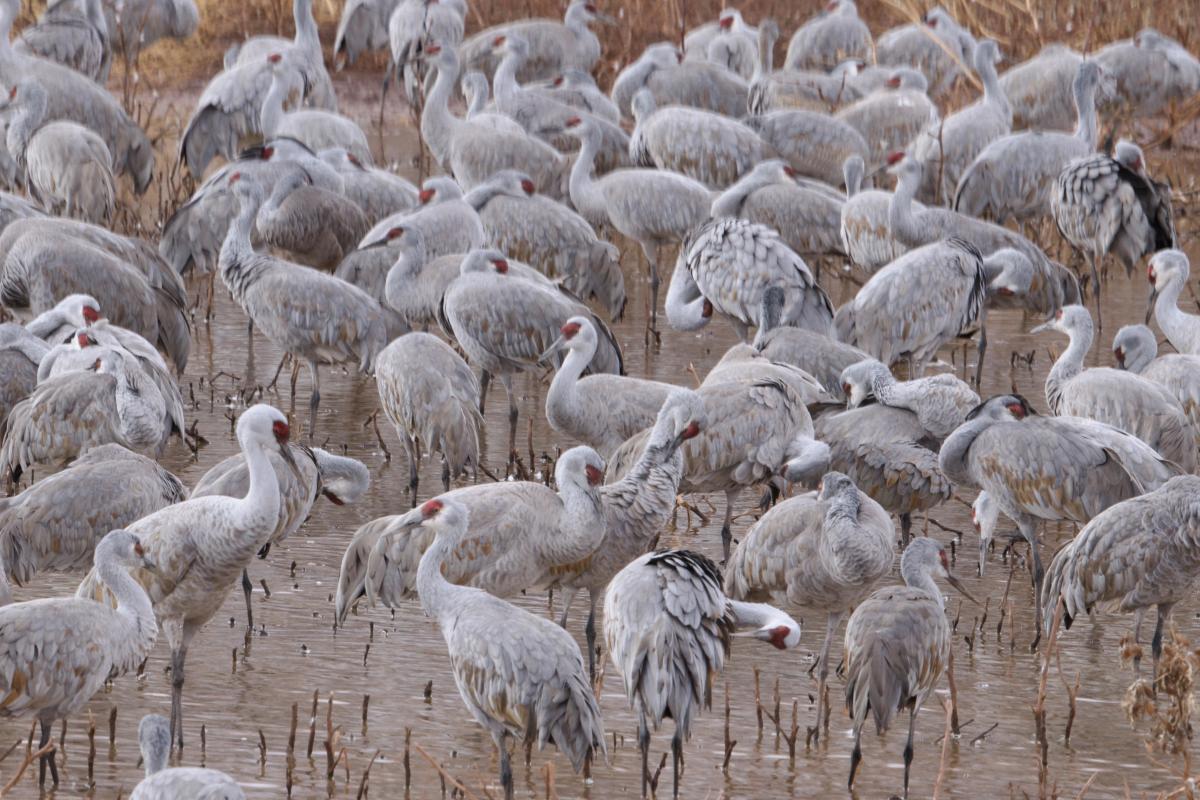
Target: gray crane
<point>576,87</point>
<point>707,147</point>
<point>317,128</point>
<point>806,214</point>
<point>72,34</point>
<point>553,46</point>
<point>1134,555</point>
<point>651,206</point>
<point>431,397</point>
<point>448,223</point>
<point>1153,72</point>
<point>669,629</point>
<point>814,144</point>
<point>892,118</point>
<point>201,546</point>
<point>309,224</point>
<point>916,304</point>
<point>1134,349</point>
<point>136,24</point>
<point>1048,468</point>
<point>377,192</point>
<point>56,523</point>
<point>91,642</point>
<point>786,89</point>
<point>1119,398</point>
<point>824,550</point>
<point>519,675</point>
<point>474,152</point>
<point>303,51</point>
<point>942,57</point>
<point>897,645</point>
<point>1040,89</point>
<point>20,354</point>
<point>673,81</point>
<point>946,149</point>
<point>940,402</point>
<point>697,41</point>
<point>985,514</point>
<point>1102,206</point>
<point>165,783</point>
<point>1014,175</point>
<point>362,28</point>
<point>1168,273</point>
<point>315,317</point>
<point>414,24</point>
<point>414,285</point>
<point>725,265</point>
<point>599,410</point>
<point>733,46</point>
<point>830,38</point>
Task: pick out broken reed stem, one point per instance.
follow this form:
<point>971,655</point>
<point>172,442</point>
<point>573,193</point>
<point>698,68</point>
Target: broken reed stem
<point>362,784</point>
<point>291,748</point>
<point>406,762</point>
<point>549,775</point>
<point>366,705</point>
<point>30,757</point>
<point>758,709</point>
<point>953,693</point>
<point>446,776</point>
<point>1072,693</point>
<point>91,749</point>
<point>112,732</point>
<point>951,713</point>
<point>730,742</point>
<point>312,722</point>
<point>1039,709</point>
<point>262,749</point>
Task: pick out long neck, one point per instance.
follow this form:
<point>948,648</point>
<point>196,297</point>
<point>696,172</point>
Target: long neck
<point>1086,123</point>
<point>903,224</point>
<point>954,454</point>
<point>237,250</point>
<point>887,390</point>
<point>580,528</point>
<point>398,283</point>
<point>753,615</point>
<point>564,389</point>
<point>436,593</point>
<point>843,541</point>
<point>685,304</point>
<point>1068,365</point>
<point>438,125</point>
<point>1175,324</point>
<point>483,194</point>
<point>729,203</point>
<point>133,605</point>
<point>916,576</point>
<point>504,82</point>
<point>262,498</point>
<point>766,50</point>
<point>26,123</point>
<point>576,21</point>
<point>306,26</point>
<point>585,195</point>
<point>993,92</point>
<point>271,113</point>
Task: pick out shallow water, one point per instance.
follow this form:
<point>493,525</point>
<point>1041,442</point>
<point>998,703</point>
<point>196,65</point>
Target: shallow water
<point>242,688</point>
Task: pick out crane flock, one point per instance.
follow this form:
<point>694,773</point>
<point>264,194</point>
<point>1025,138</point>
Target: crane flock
<point>847,220</point>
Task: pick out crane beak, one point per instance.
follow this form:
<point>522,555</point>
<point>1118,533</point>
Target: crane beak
<point>285,451</point>
<point>1048,325</point>
<point>605,19</point>
<point>957,584</point>
<point>150,566</point>
<point>554,347</point>
<point>1150,303</point>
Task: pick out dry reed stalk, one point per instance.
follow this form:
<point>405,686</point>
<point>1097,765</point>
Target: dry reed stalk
<point>467,794</point>
<point>951,713</point>
<point>30,757</point>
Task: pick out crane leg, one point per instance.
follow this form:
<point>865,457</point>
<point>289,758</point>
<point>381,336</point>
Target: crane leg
<point>445,475</point>
<point>1164,611</point>
<point>908,747</point>
<point>831,626</point>
<point>295,375</point>
<point>506,778</point>
<point>650,250</point>
<point>47,760</point>
<point>247,590</point>
<point>905,529</point>
<point>413,473</point>
<point>676,760</point>
<point>485,378</point>
<point>855,754</point>
<point>727,526</point>
<point>644,746</point>
<point>589,631</point>
<point>1029,533</point>
<point>1096,291</point>
<point>512,411</point>
<point>314,401</point>
<point>568,598</point>
<point>178,655</point>
<point>982,350</point>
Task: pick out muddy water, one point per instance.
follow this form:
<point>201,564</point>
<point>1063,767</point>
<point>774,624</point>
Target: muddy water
<point>240,688</point>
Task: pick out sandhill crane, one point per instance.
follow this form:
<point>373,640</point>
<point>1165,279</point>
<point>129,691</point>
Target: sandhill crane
<point>533,535</point>
<point>916,304</point>
<point>67,167</point>
<point>948,148</point>
<point>805,214</point>
<point>485,307</point>
<point>202,545</point>
<point>67,415</point>
<point>743,364</point>
<point>314,226</point>
<point>1040,89</point>
<point>1134,348</point>
<point>414,285</point>
<point>431,397</point>
<point>1099,208</point>
<point>314,316</point>
<point>672,81</point>
<point>1156,197</point>
<point>697,40</point>
<point>74,35</point>
<point>472,152</point>
<point>315,127</point>
<point>448,223</point>
<point>814,353</point>
<point>163,782</point>
<point>772,90</point>
<point>20,354</point>
<point>599,410</point>
<point>576,87</point>
<point>1168,273</point>
<point>941,402</point>
<point>653,207</point>
<point>889,455</point>
<point>636,507</point>
<point>377,192</point>
<point>897,644</point>
<point>1048,468</point>
<point>734,46</point>
<point>303,50</point>
<point>726,264</point>
<point>892,118</point>
<point>553,46</point>
<point>668,627</point>
<point>415,24</point>
<point>1152,72</point>
<point>812,143</point>
<point>137,24</point>
<point>310,474</point>
<point>1014,175</point>
<point>91,642</point>
<point>1133,555</point>
<point>824,550</point>
<point>509,648</point>
<point>985,513</point>
<point>758,431</point>
<point>707,147</point>
<point>1121,399</point>
<point>830,38</point>
<point>362,27</point>
<point>941,57</point>
<point>76,98</point>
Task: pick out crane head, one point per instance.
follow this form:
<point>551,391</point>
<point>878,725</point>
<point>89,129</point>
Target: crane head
<point>433,49</point>
<point>895,158</point>
<point>595,476</point>
<point>431,508</point>
<point>91,314</point>
<point>425,195</point>
<point>706,310</point>
<point>527,186</point>
<point>573,122</point>
<point>281,431</point>
<point>725,22</point>
<point>274,58</point>
<point>84,339</point>
<point>501,265</point>
<point>893,82</point>
<point>570,329</point>
<point>395,233</point>
<point>499,41</point>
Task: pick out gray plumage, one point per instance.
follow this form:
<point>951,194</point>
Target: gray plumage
<point>74,35</point>
<point>377,192</point>
<point>20,354</point>
<point>787,89</point>
<point>317,128</point>
<point>830,38</point>
<point>1134,348</point>
<point>892,118</point>
<point>362,27</point>
<point>303,50</point>
<point>697,84</point>
<point>938,46</point>
<point>553,45</point>
<point>816,354</point>
<point>940,402</point>
<point>414,24</point>
<point>310,225</point>
<point>176,783</point>
<point>814,144</point>
<point>1168,273</point>
<point>412,287</point>
<point>137,24</point>
<point>733,44</point>
<point>1121,399</point>
<point>1152,72</point>
<point>1039,89</point>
